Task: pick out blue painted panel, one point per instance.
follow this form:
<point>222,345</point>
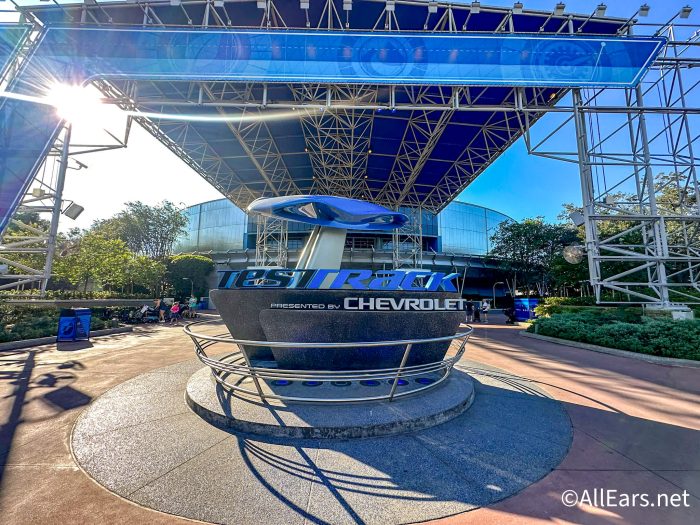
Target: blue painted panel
<point>349,57</point>
<point>14,127</point>
<point>27,131</point>
<point>11,36</point>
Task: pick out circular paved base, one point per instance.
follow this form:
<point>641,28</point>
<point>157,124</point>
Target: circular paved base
<point>328,421</point>
<point>141,441</point>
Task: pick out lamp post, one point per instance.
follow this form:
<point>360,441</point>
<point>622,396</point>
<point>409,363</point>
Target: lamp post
<point>191,285</point>
<point>494,292</point>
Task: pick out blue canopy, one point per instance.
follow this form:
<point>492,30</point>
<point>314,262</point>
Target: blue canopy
<point>398,151</point>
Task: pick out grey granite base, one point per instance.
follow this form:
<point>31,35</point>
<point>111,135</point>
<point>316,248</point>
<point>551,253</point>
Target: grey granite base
<point>328,421</point>
<point>141,441</point>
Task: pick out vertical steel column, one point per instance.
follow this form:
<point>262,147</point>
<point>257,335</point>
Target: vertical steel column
<point>586,192</point>
<point>56,212</point>
<point>659,226</point>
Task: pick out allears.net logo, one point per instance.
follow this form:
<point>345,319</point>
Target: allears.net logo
<point>389,280</point>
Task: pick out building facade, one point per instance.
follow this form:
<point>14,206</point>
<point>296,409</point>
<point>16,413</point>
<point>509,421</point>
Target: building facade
<point>458,239</point>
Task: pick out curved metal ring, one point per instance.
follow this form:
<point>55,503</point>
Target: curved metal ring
<point>237,365</point>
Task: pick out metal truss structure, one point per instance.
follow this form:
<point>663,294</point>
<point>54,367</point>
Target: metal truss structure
<point>407,241</point>
<point>641,227</point>
<point>637,155</point>
<point>27,249</point>
<point>271,242</point>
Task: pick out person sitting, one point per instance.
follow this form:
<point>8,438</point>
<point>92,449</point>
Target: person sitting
<point>510,315</point>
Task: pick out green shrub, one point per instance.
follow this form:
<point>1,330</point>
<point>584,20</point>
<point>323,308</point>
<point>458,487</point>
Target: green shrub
<point>569,301</point>
<point>625,330</point>
<point>19,322</point>
<point>73,294</point>
<point>628,314</point>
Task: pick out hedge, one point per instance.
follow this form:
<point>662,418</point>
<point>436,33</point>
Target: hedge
<point>72,294</point>
<point>557,305</point>
<point>616,328</point>
<point>18,322</point>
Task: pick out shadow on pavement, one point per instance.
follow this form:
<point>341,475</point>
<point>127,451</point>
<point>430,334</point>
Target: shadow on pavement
<point>52,389</point>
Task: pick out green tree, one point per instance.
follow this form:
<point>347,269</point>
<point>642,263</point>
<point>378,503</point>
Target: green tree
<point>182,268</point>
<point>145,274</point>
<point>146,230</point>
<point>530,252</point>
<point>95,260</point>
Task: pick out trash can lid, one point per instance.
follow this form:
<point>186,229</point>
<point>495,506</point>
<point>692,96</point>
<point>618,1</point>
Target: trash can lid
<point>82,311</point>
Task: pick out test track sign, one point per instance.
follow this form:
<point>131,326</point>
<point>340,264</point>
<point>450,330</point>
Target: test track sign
<point>389,280</point>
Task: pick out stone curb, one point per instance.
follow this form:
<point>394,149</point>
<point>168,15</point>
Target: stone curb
<point>28,343</point>
<point>655,359</point>
<point>349,425</point>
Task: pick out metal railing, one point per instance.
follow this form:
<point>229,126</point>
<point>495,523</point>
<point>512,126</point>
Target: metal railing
<point>238,365</point>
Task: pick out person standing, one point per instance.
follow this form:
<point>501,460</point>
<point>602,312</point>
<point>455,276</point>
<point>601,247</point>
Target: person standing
<point>162,308</point>
<point>193,307</point>
<point>470,312</point>
<point>175,313</point>
<point>485,307</point>
<point>477,314</point>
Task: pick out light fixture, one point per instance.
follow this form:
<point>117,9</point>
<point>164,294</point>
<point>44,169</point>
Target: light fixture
<point>600,10</point>
<point>559,9</point>
<point>218,3</point>
<point>73,211</point>
<point>172,2</point>
<point>518,8</point>
<point>303,4</point>
<point>574,253</point>
<point>39,193</point>
<point>347,5</point>
<point>644,10</point>
<point>432,7</point>
<point>685,11</point>
<point>577,218</point>
<point>476,7</point>
<point>390,5</point>
<point>262,4</point>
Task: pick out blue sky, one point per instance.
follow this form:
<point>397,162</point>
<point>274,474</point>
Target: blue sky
<point>517,184</point>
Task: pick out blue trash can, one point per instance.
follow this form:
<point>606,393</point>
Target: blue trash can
<point>525,308</point>
<point>74,324</point>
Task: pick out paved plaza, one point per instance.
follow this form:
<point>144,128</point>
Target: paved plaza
<point>634,429</point>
